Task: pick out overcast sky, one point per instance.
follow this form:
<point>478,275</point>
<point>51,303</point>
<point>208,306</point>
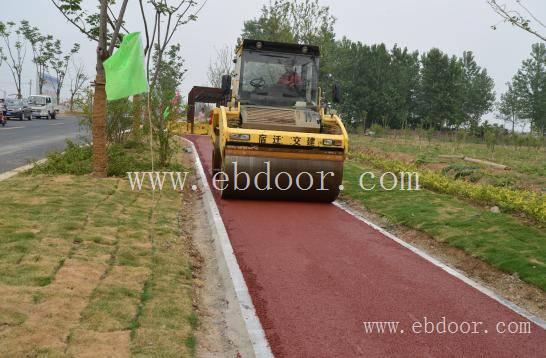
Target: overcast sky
<point>451,25</point>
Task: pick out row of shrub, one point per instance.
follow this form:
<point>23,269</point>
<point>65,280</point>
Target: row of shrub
<point>489,134</point>
<point>76,159</point>
<point>530,203</point>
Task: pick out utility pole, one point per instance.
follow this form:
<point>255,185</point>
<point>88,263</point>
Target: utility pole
<point>30,88</point>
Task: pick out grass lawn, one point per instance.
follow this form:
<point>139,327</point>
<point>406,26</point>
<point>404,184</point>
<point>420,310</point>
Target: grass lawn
<point>528,164</point>
<point>499,239</point>
<point>90,268</point>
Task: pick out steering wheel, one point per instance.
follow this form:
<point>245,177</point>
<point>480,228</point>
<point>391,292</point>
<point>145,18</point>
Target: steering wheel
<point>257,83</point>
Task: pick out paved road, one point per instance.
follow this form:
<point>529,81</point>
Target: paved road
<point>316,273</point>
<point>24,141</point>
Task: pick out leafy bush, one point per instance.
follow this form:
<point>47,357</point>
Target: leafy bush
<point>527,202</point>
<point>491,138</point>
<point>377,130</point>
<point>118,120</point>
<point>76,160</point>
<point>462,172</point>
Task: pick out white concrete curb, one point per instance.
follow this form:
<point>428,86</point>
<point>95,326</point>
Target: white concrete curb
<point>16,171</point>
<point>253,326</point>
<point>537,320</point>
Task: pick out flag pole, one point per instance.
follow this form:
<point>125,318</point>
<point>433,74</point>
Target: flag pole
<point>150,130</point>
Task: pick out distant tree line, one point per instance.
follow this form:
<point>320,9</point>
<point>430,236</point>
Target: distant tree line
<point>47,54</point>
<point>525,99</point>
<point>400,88</point>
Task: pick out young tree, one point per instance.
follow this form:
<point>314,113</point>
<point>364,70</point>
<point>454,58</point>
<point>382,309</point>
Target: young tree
<point>380,91</point>
<point>59,62</point>
<point>440,90</point>
<point>77,81</point>
<point>404,83</point>
<point>95,26</point>
<point>222,65</point>
<point>168,17</point>
<point>518,19</point>
<point>350,63</point>
<point>15,50</point>
<point>530,86</point>
<point>273,24</point>
<point>42,53</point>
<point>311,22</point>
<point>300,21</point>
<point>106,27</point>
<point>479,96</point>
<point>170,72</point>
<point>509,107</point>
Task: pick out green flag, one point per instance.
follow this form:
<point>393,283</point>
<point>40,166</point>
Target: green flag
<point>125,71</point>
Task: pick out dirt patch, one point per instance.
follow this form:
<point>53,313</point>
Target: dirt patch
<point>105,344</point>
<point>62,179</point>
<point>129,277</point>
<point>221,329</point>
<point>510,287</point>
<point>433,166</point>
<point>14,306</point>
<point>404,157</point>
<point>186,159</point>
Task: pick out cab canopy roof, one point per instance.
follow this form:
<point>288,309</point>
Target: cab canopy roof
<point>280,47</point>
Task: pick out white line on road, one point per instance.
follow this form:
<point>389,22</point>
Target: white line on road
<point>452,271</point>
<point>61,138</point>
<point>6,128</point>
<point>55,124</point>
<point>254,328</point>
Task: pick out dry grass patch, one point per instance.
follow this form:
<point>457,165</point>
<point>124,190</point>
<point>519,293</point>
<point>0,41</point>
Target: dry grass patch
<point>87,268</point>
<point>105,344</point>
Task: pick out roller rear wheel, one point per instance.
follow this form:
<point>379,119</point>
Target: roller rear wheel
<point>216,160</point>
<point>281,179</point>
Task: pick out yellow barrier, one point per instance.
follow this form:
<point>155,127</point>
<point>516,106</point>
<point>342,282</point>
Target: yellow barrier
<point>184,127</point>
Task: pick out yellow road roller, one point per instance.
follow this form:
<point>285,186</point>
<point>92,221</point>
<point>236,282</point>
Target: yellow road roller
<point>274,139</point>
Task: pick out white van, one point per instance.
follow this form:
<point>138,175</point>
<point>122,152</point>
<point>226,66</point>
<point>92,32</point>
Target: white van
<point>42,106</point>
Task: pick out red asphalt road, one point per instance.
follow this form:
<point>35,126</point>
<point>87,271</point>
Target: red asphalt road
<point>315,273</point>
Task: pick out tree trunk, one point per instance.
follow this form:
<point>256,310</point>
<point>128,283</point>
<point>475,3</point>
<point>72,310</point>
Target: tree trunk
<point>100,160</point>
<point>137,116</point>
<point>71,102</point>
<point>19,94</point>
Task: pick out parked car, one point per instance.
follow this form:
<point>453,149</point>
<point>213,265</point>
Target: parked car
<point>18,108</point>
<point>42,106</point>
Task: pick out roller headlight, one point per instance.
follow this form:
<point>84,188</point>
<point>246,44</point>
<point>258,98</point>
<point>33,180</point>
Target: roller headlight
<point>331,142</point>
<point>237,136</point>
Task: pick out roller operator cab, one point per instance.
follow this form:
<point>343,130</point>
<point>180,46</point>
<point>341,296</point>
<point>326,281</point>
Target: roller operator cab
<point>274,140</point>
